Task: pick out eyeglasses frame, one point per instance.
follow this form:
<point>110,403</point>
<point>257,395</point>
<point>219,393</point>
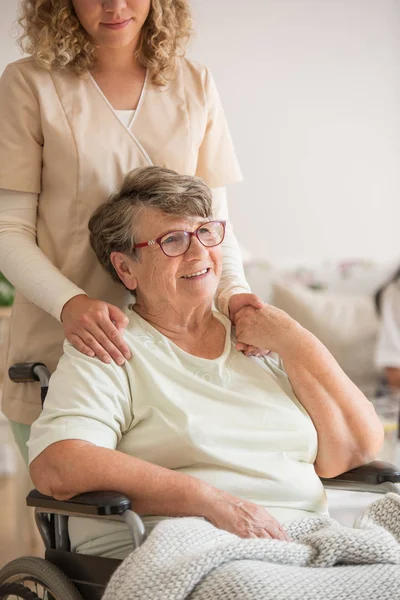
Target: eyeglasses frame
<point>190,233</point>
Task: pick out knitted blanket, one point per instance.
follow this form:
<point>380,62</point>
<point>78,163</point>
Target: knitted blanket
<point>188,558</point>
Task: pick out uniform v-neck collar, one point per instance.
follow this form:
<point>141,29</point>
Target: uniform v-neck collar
<point>128,130</point>
<point>137,110</point>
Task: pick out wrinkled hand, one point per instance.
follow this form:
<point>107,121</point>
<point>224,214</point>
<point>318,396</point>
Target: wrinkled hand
<point>95,328</point>
<point>235,304</point>
<point>266,326</point>
<point>244,518</point>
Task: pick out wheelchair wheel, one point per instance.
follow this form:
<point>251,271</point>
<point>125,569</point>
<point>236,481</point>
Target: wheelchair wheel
<point>32,578</point>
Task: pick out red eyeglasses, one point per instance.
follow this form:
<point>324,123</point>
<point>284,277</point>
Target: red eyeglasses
<point>176,243</point>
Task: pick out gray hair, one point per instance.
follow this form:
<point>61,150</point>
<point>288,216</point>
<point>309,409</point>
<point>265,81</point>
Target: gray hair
<point>113,225</point>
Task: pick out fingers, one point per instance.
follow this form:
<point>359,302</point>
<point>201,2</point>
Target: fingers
<point>240,347</point>
<point>269,531</point>
<point>99,341</point>
<point>80,345</point>
<point>277,532</point>
<point>251,350</point>
<point>95,329</point>
<point>240,301</point>
<point>272,530</point>
<point>254,301</point>
<point>114,336</point>
<point>247,349</point>
<point>107,344</point>
<point>262,352</point>
<point>119,319</point>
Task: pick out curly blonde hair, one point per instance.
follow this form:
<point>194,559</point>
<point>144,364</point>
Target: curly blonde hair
<point>53,35</point>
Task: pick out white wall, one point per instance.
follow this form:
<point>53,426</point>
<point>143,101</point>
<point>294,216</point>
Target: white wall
<point>8,31</point>
<point>311,89</point>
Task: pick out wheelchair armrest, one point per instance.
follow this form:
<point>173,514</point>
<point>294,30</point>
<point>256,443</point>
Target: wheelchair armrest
<point>31,371</point>
<point>91,503</point>
<point>373,473</point>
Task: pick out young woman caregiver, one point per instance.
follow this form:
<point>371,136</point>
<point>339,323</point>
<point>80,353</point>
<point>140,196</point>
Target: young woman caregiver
<point>106,88</point>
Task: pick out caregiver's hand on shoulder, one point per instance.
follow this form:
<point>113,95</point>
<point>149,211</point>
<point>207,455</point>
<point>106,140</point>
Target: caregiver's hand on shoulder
<point>266,327</point>
<point>95,328</point>
<point>244,518</point>
<point>235,304</point>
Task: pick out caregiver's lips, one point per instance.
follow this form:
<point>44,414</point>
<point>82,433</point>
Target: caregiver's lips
<point>117,25</point>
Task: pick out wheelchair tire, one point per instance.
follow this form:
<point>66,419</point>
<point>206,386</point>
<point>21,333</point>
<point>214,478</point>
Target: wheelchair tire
<point>34,570</point>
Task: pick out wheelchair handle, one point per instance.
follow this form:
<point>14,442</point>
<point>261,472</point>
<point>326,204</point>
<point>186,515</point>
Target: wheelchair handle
<point>31,371</point>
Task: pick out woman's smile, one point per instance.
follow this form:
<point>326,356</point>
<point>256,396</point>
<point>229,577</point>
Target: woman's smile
<point>117,25</point>
<point>197,275</point>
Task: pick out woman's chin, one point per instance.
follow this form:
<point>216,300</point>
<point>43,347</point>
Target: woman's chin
<point>203,292</point>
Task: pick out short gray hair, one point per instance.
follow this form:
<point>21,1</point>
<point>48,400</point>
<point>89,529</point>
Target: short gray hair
<point>112,225</point>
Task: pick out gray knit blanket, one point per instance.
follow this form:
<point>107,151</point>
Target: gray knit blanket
<point>188,558</point>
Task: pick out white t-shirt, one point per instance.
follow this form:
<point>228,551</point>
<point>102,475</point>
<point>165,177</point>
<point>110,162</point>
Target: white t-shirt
<point>388,346</point>
<point>232,421</point>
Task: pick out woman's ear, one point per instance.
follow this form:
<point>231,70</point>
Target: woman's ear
<point>125,268</point>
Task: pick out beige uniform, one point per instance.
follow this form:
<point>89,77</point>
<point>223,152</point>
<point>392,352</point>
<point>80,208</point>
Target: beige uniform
<point>62,139</point>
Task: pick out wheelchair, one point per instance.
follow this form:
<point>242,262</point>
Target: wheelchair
<point>65,575</point>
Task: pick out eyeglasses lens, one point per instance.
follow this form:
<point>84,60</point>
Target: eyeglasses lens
<point>176,243</point>
<point>211,234</point>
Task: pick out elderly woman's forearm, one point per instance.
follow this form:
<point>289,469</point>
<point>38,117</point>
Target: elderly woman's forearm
<point>349,431</point>
<point>72,467</point>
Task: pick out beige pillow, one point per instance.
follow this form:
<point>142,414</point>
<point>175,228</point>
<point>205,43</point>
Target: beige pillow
<point>346,324</point>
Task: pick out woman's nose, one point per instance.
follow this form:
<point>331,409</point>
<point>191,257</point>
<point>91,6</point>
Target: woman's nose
<point>114,5</point>
<point>196,249</point>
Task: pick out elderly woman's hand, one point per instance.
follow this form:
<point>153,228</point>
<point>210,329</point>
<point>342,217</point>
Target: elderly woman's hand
<point>95,328</point>
<point>244,518</point>
<point>267,326</point>
<point>235,304</point>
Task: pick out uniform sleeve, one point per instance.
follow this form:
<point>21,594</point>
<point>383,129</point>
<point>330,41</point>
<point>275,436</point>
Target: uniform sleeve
<point>233,280</point>
<point>388,346</point>
<point>21,138</point>
<point>23,262</point>
<point>87,400</point>
<point>217,163</point>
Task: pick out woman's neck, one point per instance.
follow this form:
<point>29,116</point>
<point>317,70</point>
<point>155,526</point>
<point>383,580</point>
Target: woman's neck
<point>120,77</point>
<point>197,331</point>
<point>117,60</point>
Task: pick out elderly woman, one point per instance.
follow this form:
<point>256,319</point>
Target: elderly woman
<point>191,426</point>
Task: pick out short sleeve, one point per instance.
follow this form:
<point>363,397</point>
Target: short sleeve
<point>21,138</point>
<point>388,346</point>
<point>87,400</point>
<point>217,162</point>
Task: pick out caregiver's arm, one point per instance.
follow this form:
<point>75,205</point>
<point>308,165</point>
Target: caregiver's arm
<point>23,262</point>
<point>349,431</point>
<point>233,280</point>
<point>233,291</point>
<point>35,277</point>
